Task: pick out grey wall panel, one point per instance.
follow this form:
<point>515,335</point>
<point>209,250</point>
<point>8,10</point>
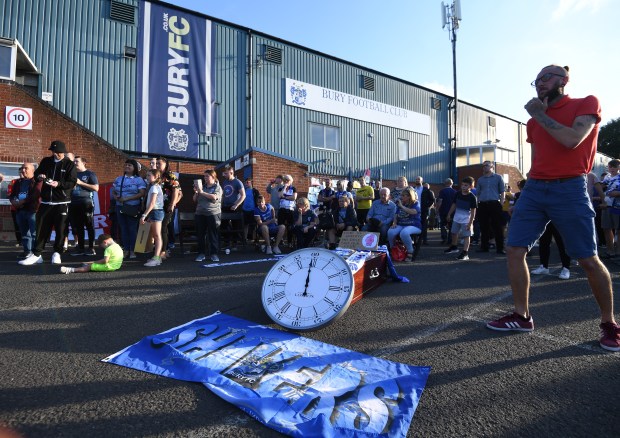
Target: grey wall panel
<point>230,92</point>
<point>79,51</point>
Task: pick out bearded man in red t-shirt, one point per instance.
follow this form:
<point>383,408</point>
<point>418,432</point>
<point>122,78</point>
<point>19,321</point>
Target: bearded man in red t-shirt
<point>563,133</point>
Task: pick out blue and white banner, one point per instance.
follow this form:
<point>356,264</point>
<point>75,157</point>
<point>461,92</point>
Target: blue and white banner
<point>175,99</point>
<point>295,385</point>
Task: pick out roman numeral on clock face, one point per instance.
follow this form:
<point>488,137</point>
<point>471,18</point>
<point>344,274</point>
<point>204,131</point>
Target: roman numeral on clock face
<point>279,295</point>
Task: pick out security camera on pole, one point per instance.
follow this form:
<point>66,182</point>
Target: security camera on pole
<point>451,16</point>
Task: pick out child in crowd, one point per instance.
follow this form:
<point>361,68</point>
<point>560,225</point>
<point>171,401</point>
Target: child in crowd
<point>265,217</point>
<point>111,261</point>
<point>305,223</point>
<point>154,214</point>
<point>464,209</point>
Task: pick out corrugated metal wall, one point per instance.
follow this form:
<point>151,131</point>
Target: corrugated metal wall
<point>285,129</point>
<point>231,92</point>
<point>79,51</point>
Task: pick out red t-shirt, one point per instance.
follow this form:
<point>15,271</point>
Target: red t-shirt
<point>551,160</point>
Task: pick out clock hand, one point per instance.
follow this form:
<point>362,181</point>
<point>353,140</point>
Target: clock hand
<point>307,279</point>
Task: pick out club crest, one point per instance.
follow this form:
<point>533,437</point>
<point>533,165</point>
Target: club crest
<point>178,140</point>
<point>298,94</point>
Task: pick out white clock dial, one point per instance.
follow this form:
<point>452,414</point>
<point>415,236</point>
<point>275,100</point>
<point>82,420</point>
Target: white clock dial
<point>308,289</point>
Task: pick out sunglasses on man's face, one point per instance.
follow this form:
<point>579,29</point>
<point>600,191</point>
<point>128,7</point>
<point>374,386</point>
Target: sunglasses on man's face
<point>545,78</point>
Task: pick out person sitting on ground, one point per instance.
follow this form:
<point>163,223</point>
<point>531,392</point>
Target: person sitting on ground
<point>345,219</point>
<point>305,223</point>
<point>380,215</point>
<point>464,210</point>
<point>544,250</point>
<point>407,220</point>
<point>267,224</point>
<point>111,261</point>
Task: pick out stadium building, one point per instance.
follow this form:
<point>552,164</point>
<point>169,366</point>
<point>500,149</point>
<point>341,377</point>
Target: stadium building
<point>126,78</point>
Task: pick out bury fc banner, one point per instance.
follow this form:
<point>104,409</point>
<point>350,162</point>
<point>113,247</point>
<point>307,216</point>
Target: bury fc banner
<point>175,100</point>
<point>295,385</point>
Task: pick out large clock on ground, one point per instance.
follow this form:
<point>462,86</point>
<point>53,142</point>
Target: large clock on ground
<point>308,289</point>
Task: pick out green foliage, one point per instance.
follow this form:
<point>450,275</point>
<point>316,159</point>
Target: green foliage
<point>609,138</point>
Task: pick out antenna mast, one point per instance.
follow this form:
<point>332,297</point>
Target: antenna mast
<point>450,17</point>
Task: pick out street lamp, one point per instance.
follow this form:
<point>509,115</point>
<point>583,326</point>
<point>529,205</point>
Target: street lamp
<point>451,16</point>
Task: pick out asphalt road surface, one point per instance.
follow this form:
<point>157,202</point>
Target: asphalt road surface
<point>55,329</point>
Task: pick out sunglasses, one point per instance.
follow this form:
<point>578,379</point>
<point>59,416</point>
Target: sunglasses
<point>545,78</point>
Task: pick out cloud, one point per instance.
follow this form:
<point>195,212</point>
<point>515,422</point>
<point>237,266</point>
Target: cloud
<point>566,7</point>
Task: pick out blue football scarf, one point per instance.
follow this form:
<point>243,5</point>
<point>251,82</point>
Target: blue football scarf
<point>295,385</point>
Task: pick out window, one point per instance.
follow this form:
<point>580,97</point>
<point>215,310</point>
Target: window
<point>325,137</point>
<point>6,62</point>
<point>10,172</point>
<point>403,150</point>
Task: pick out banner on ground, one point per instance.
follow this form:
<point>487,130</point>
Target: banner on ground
<point>176,81</point>
<point>292,384</point>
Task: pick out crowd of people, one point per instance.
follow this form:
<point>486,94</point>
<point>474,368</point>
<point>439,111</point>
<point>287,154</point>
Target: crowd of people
<point>58,195</point>
<point>561,199</point>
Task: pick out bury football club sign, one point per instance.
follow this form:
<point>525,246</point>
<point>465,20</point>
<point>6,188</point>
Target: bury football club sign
<point>175,81</point>
<point>313,97</point>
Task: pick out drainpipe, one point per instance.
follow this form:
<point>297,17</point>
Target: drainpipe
<point>250,136</point>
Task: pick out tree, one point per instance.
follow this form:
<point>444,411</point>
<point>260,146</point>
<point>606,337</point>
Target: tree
<point>609,139</point>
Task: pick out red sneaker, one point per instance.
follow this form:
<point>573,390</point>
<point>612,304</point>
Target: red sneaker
<point>512,322</point>
<point>610,336</point>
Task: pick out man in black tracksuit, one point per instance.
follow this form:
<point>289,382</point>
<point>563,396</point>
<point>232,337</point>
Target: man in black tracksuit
<point>59,176</point>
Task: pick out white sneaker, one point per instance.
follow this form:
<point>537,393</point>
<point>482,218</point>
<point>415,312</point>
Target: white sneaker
<point>31,260</point>
<point>564,274</point>
<point>276,250</point>
<point>215,258</point>
<point>268,250</point>
<point>153,262</point>
<point>56,259</point>
<point>540,270</point>
<point>200,258</point>
<point>66,270</point>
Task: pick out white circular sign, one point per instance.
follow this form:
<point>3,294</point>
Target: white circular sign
<point>18,118</point>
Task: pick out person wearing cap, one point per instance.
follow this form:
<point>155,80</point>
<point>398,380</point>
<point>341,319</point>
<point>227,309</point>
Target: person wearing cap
<point>59,175</point>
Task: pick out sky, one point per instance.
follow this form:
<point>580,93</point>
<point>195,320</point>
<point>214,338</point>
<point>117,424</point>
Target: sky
<point>500,47</point>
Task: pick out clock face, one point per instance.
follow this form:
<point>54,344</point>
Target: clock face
<point>308,289</point>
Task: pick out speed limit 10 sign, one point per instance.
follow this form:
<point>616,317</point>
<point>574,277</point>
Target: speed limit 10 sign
<point>18,118</point>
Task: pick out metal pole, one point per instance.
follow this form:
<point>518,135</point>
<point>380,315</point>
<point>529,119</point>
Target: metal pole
<point>455,95</point>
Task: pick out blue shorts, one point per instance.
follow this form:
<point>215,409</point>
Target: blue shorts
<point>156,216</point>
<point>565,203</point>
<point>461,228</point>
